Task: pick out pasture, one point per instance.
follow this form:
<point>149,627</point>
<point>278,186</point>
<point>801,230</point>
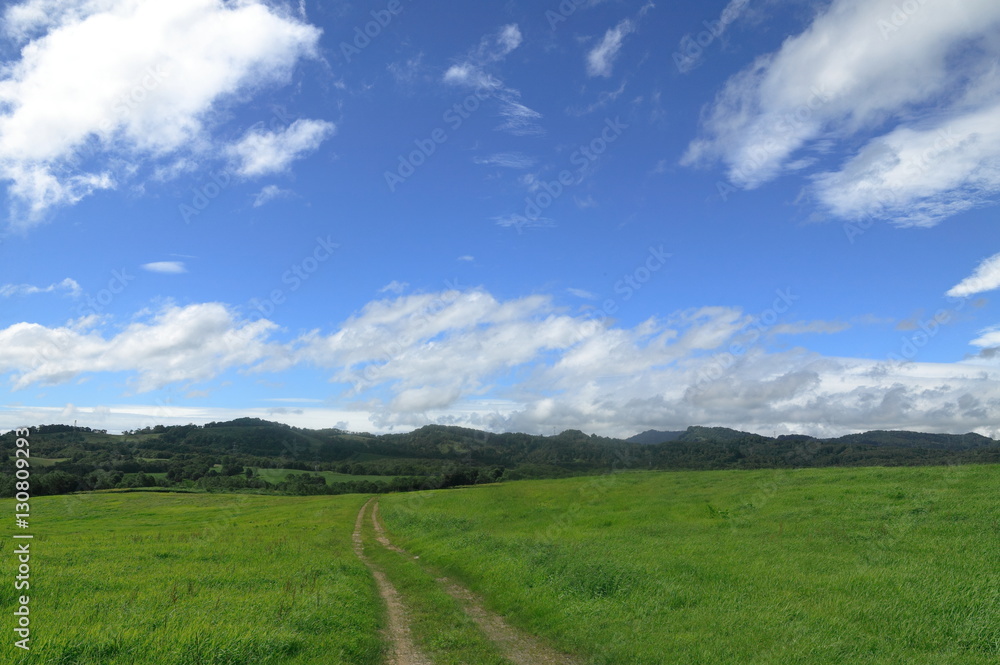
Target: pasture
<point>816,566</point>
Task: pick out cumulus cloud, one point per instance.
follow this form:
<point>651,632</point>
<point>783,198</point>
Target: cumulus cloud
<point>808,97</point>
<point>68,285</point>
<point>105,87</point>
<point>986,277</point>
<point>262,152</point>
<point>179,344</point>
<point>467,357</point>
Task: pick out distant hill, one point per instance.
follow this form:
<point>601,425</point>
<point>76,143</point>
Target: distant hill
<point>695,434</point>
<point>231,456</point>
<point>651,437</point>
<point>917,440</point>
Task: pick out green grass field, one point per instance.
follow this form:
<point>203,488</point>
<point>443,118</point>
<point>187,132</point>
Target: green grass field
<point>194,579</point>
<point>813,566</point>
<point>806,567</point>
<point>41,461</point>
<point>276,476</point>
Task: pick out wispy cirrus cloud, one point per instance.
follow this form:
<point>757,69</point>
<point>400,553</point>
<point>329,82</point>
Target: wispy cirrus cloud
<point>601,58</point>
<point>507,160</point>
<point>471,72</point>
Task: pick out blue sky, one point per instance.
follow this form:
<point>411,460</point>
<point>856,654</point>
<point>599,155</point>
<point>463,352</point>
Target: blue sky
<point>612,216</point>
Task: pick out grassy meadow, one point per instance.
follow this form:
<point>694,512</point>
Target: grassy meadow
<point>194,579</point>
<point>873,565</point>
<point>869,565</point>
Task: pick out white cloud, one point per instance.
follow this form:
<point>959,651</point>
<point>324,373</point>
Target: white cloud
<point>261,152</point>
<point>600,59</point>
<point>103,87</point>
<point>467,257</point>
<point>179,344</point>
<point>807,327</point>
<point>989,338</point>
<point>470,72</point>
<point>466,357</point>
<point>11,290</point>
<point>268,194</point>
<point>508,40</point>
<point>519,221</point>
<point>986,277</point>
<point>166,267</point>
<point>494,48</point>
<point>394,287</point>
<point>519,119</point>
<point>918,177</point>
<point>581,293</point>
<point>932,75</point>
<point>509,160</point>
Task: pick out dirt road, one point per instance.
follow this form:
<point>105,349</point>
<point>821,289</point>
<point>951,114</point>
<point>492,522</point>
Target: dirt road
<point>518,647</point>
<point>403,650</point>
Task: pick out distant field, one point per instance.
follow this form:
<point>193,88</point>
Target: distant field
<point>876,565</point>
<point>278,475</point>
<point>42,461</point>
<point>169,579</point>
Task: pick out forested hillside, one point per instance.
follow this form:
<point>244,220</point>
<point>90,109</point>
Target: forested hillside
<point>254,455</point>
